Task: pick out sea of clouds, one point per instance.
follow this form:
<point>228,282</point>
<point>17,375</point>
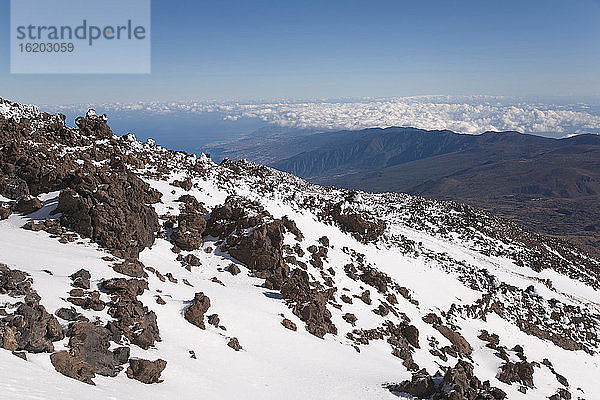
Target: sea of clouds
<point>470,115</point>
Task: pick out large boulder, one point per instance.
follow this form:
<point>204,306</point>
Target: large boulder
<point>195,312</point>
<point>457,340</point>
<point>111,209</point>
<point>146,371</point>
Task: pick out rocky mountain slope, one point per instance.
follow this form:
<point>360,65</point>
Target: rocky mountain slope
<point>128,270</point>
<point>551,186</point>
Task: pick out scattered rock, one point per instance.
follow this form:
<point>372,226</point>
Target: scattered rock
<point>233,269</point>
<point>350,318</point>
<point>68,314</point>
<point>520,372</point>
<point>214,320</point>
<point>146,371</point>
<point>131,267</point>
<point>5,212</point>
<point>366,297</point>
<point>289,324</point>
<point>234,344</point>
<point>411,334</point>
<point>195,312</point>
<point>457,340</point>
<point>27,205</point>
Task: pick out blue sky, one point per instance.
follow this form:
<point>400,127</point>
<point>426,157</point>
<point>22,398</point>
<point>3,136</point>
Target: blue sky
<point>244,50</point>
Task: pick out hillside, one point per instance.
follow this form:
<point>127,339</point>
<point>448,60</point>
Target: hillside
<point>128,270</point>
<point>551,186</point>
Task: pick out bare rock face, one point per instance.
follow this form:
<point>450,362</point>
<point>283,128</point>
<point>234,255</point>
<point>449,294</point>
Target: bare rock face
<point>195,312</point>
<point>89,354</point>
<point>73,367</point>
<point>146,371</point>
<point>133,319</point>
<point>95,126</point>
<point>309,303</point>
<point>411,334</point>
<point>27,205</point>
<point>81,279</point>
<point>461,344</point>
<point>91,301</point>
<point>261,250</point>
<point>14,282</point>
<point>5,212</point>
<point>68,314</point>
<point>112,210</point>
<point>421,385</point>
<point>355,224</point>
<point>30,328</point>
<point>131,267</point>
<point>521,372</point>
<point>234,344</point>
<point>191,225</point>
<point>289,324</point>
<point>233,269</point>
<point>458,383</point>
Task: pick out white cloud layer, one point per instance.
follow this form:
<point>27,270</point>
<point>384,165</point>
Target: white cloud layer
<point>471,115</point>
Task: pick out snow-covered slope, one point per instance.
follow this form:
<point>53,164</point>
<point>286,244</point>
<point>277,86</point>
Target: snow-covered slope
<point>339,294</point>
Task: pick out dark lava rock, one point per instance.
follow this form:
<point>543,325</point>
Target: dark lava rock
<point>354,223</point>
<point>90,343</point>
<point>457,340</point>
<point>521,372</point>
<point>432,319</point>
<point>73,367</point>
<point>191,225</point>
<point>290,225</point>
<point>5,212</point>
<point>233,269</point>
<point>234,344</point>
<point>30,328</point>
<point>131,267</point>
<point>195,312</point>
<point>90,302</point>
<point>81,282</point>
<point>146,371</point>
<point>262,249</point>
<point>366,297</point>
<point>133,319</point>
<point>289,324</point>
<point>28,205</point>
<point>458,383</point>
<point>309,303</point>
<point>421,385</point>
<point>112,210</point>
<point>95,126</point>
<point>346,299</point>
<point>185,184</point>
<point>14,282</point>
<point>214,320</point>
<point>261,252</point>
<point>192,260</point>
<point>68,314</point>
<point>411,334</point>
<point>350,318</point>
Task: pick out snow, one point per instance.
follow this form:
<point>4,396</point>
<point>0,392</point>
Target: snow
<point>275,362</point>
